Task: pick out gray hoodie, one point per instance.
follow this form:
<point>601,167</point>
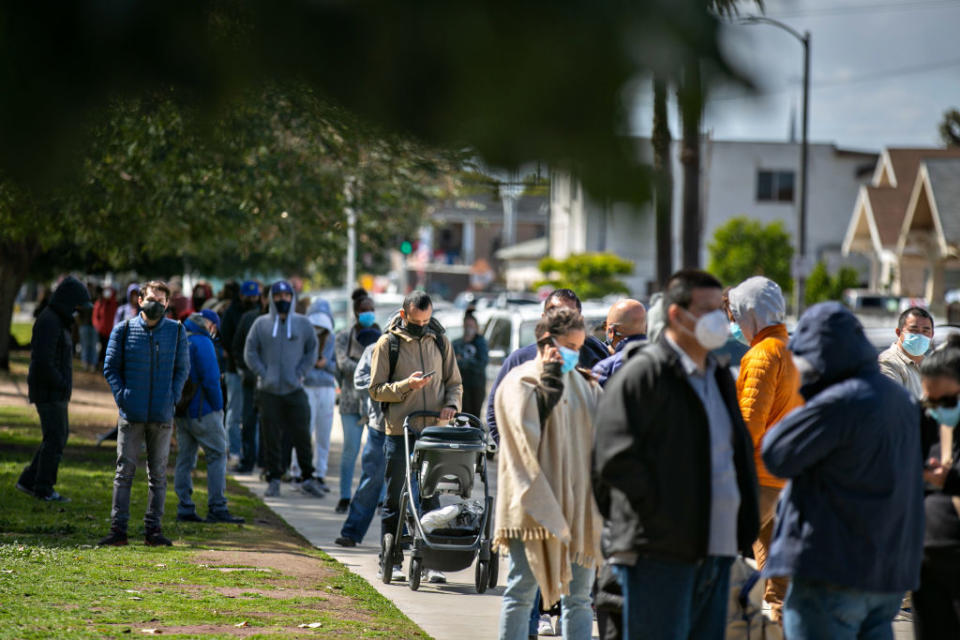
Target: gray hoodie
<point>361,381</point>
<point>281,352</point>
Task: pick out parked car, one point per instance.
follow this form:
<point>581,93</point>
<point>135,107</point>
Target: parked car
<point>509,329</point>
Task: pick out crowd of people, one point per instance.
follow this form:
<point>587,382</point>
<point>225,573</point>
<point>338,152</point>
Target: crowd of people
<point>632,471</point>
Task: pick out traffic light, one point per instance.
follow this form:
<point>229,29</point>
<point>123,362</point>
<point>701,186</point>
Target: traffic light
<point>406,248</point>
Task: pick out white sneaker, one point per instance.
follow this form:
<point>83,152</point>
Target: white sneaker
<point>545,626</point>
<point>436,577</point>
<point>397,572</point>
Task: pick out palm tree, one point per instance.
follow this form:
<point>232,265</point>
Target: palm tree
<point>663,182</point>
<point>690,98</point>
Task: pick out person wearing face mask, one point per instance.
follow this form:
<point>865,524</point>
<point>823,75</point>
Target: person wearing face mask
<point>472,358</point>
<point>321,388</point>
<point>901,361</point>
<point>280,350</point>
<point>233,381</point>
<point>147,364</point>
<point>546,517</point>
<point>673,471</point>
<point>626,325</point>
<point>349,346</point>
<point>849,531</point>
<point>936,603</point>
<point>420,375</point>
<point>50,384</point>
<point>199,423</point>
<point>104,310</point>
<point>253,305</point>
<point>768,388</point>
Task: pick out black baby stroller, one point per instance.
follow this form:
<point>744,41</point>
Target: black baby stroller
<point>444,460</point>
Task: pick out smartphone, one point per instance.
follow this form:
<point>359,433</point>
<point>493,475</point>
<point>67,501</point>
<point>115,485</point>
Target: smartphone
<point>428,374</point>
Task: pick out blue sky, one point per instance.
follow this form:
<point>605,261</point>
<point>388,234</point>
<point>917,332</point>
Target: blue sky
<point>882,73</point>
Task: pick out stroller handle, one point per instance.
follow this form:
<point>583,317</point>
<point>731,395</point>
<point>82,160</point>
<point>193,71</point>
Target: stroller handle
<point>472,419</point>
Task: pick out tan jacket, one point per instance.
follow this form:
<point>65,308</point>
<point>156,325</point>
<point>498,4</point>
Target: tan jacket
<point>897,365</point>
<point>416,354</point>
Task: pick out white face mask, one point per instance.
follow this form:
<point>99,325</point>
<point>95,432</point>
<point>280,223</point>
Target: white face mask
<point>712,329</point>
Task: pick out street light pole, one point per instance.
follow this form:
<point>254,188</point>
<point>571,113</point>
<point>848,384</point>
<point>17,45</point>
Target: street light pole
<point>801,260</point>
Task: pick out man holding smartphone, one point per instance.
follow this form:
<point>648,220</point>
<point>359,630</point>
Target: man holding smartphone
<point>413,368</point>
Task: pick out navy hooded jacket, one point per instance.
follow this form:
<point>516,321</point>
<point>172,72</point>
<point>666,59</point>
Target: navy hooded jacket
<point>50,378</point>
<point>204,370</point>
<point>852,513</point>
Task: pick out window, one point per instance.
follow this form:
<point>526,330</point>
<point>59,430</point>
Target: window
<point>775,186</point>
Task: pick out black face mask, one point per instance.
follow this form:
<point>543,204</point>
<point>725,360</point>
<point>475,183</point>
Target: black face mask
<point>283,306</point>
<point>415,330</point>
<point>153,310</point>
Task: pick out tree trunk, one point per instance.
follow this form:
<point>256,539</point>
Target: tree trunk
<point>663,187</point>
<point>15,260</point>
<point>690,97</point>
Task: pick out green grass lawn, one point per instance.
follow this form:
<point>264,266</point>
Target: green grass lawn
<point>262,576</point>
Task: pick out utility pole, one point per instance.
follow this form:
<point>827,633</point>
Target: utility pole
<point>801,267</point>
<point>351,279</point>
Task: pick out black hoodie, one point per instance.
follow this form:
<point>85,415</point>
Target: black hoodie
<point>51,357</point>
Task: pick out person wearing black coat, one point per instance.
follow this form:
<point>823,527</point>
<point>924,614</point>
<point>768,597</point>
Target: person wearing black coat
<point>254,308</point>
<point>673,472</point>
<point>50,383</point>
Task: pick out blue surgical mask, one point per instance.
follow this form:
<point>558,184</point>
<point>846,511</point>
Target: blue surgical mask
<point>737,333</point>
<point>570,358</point>
<point>366,319</point>
<point>916,344</point>
<point>947,416</point>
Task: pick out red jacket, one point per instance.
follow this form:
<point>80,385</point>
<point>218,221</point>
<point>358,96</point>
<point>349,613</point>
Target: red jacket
<point>104,309</point>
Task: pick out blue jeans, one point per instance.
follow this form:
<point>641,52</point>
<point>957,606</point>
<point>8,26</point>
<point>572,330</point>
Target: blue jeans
<point>235,412</point>
<point>672,600</point>
<point>821,610</point>
<point>521,590</point>
<point>88,344</point>
<point>207,432</point>
<point>395,474</point>
<point>352,435</point>
<point>364,503</point>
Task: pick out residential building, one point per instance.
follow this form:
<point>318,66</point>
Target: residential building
<point>901,185</point>
<point>758,180</point>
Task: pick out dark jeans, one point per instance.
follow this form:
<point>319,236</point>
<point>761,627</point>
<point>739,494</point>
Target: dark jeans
<point>286,414</point>
<point>936,604</point>
<point>396,475</point>
<point>473,398</point>
<point>130,439</point>
<point>41,474</point>
<point>670,600</point>
<point>814,610</point>
<point>364,503</point>
<point>249,429</point>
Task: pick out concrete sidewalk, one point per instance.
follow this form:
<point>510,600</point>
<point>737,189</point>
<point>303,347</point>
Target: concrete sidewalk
<point>446,612</point>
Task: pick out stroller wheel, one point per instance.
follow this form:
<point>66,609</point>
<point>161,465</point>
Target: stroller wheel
<point>416,571</point>
<point>494,569</point>
<point>386,558</point>
<point>482,577</point>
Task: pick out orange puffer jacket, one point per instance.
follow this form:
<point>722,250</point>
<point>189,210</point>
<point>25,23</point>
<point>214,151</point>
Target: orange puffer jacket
<point>768,388</point>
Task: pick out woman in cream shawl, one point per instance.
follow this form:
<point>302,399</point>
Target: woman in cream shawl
<point>546,517</point>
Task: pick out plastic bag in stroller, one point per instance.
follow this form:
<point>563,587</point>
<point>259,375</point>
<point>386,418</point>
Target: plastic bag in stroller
<point>444,461</point>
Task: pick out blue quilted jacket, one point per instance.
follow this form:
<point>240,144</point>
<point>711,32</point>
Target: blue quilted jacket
<point>147,370</point>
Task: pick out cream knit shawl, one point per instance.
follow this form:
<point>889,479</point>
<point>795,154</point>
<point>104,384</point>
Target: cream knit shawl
<point>544,497</point>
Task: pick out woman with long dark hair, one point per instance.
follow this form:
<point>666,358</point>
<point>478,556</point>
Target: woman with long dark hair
<point>937,602</point>
<point>349,346</point>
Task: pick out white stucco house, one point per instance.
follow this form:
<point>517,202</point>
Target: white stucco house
<point>739,178</point>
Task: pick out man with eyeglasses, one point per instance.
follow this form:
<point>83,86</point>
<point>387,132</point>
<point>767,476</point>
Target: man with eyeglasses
<point>901,361</point>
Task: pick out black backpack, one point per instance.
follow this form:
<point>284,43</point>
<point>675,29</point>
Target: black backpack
<point>393,349</point>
